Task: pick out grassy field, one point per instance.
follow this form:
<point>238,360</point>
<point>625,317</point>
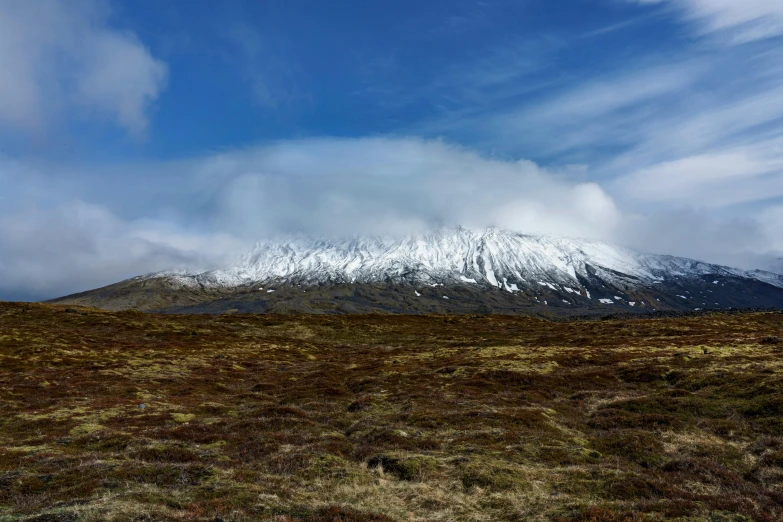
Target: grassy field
<point>130,416</point>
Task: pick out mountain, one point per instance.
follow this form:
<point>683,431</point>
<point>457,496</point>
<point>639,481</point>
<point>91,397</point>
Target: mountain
<point>451,270</point>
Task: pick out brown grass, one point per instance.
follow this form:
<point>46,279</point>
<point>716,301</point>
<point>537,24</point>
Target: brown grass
<point>130,416</point>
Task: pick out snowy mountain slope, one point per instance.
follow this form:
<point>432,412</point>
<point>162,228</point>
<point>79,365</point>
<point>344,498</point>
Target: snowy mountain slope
<point>491,257</point>
<point>447,271</point>
<point>767,277</point>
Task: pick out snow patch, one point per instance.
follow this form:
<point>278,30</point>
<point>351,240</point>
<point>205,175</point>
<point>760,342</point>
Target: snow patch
<point>467,279</point>
<point>606,301</point>
<point>491,278</point>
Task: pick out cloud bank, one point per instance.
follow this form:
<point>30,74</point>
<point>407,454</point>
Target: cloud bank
<point>326,187</point>
<point>389,186</point>
<point>76,246</point>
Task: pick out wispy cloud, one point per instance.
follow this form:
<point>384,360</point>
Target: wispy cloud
<point>701,128</point>
<point>719,179</point>
<point>273,77</point>
<point>738,21</point>
<point>600,112</point>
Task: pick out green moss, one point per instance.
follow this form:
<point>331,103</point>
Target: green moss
<point>85,429</point>
<point>493,476</point>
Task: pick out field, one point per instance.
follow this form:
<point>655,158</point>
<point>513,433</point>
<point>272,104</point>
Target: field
<point>133,416</point>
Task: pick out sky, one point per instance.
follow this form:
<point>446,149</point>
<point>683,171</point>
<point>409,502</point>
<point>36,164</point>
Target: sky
<point>149,135</point>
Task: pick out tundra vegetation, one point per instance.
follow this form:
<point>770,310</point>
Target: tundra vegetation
<point>134,416</point>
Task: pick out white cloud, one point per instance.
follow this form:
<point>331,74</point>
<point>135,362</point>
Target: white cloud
<point>705,235</point>
<point>709,180</point>
<point>740,20</point>
<point>74,246</point>
<point>59,56</point>
<point>378,185</point>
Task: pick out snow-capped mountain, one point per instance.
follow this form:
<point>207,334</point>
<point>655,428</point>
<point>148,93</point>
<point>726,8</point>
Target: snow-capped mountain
<point>493,257</point>
<point>474,266</point>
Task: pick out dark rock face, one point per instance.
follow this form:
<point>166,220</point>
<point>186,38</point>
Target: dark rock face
<point>683,295</point>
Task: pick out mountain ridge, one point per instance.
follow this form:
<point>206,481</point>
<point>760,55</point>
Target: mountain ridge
<point>543,271</point>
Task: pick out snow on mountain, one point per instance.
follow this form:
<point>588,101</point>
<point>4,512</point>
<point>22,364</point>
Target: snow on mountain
<point>492,257</point>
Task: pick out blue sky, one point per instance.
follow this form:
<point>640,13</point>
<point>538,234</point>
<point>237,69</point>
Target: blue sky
<point>139,136</point>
